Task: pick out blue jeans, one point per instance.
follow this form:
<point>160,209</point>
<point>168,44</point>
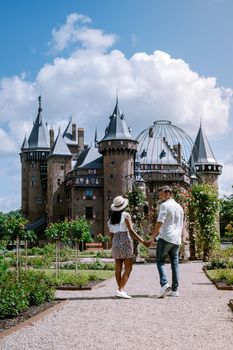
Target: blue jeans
<point>164,249</point>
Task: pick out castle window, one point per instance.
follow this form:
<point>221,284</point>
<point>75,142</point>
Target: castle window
<point>58,182</point>
<point>113,164</point>
<point>88,193</point>
<point>89,213</point>
<point>33,180</point>
<point>91,171</point>
<point>62,167</point>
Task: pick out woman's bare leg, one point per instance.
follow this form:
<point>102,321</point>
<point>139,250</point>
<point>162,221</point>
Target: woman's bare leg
<point>118,271</point>
<point>128,268</point>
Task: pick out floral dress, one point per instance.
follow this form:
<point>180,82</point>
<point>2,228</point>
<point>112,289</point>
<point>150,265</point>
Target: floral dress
<point>122,243</point>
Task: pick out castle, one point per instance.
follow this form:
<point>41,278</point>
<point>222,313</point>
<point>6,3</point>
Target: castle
<point>64,178</point>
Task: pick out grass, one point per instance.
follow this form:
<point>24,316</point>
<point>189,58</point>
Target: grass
<point>221,275</point>
<point>101,274</point>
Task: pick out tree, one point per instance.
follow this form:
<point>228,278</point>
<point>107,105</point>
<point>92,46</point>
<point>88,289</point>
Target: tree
<point>204,207</point>
<point>79,232</point>
<point>59,232</point>
<point>15,230</point>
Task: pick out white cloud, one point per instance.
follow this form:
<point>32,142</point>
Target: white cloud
<point>74,31</point>
<point>150,87</point>
<point>7,144</point>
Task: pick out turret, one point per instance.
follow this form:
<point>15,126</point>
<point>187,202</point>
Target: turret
<point>59,164</point>
<point>206,166</point>
<point>34,152</point>
<point>118,148</point>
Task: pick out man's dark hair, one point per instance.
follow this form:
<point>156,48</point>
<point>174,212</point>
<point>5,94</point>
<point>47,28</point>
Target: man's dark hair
<point>165,189</point>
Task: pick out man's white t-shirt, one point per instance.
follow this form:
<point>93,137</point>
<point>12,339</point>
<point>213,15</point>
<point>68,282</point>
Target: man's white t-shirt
<point>171,214</point>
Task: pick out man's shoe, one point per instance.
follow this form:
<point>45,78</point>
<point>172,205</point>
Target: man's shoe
<point>164,290</point>
<point>173,293</point>
<point>122,294</point>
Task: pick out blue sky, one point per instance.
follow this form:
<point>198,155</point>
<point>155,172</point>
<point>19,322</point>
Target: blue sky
<point>169,59</point>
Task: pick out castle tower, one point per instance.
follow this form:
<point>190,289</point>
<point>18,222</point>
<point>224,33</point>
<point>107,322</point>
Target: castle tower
<point>74,138</point>
<point>118,148</point>
<point>205,163</point>
<point>59,164</point>
<point>34,152</point>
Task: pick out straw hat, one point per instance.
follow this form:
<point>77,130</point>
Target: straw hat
<point>119,203</point>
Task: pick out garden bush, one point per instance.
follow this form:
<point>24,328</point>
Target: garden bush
<point>17,295</point>
<point>220,259</point>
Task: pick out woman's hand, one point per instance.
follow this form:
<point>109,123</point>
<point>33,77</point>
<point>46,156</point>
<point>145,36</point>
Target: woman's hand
<point>148,242</point>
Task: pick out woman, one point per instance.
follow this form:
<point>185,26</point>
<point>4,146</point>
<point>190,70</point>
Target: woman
<point>121,229</point>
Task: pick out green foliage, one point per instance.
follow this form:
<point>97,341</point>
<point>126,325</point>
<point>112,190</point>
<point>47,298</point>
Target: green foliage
<point>13,300</point>
<point>222,275</point>
<point>226,213</point>
<point>14,227</point>
<point>79,230</point>
<point>79,280</point>
<point>137,201</point>
<point>220,259</point>
<point>97,265</point>
<point>3,265</point>
<point>58,231</point>
<point>37,287</point>
<point>17,295</point>
<point>204,207</point>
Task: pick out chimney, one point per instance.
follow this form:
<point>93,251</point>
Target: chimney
<point>51,134</point>
<point>73,132</point>
<point>81,139</point>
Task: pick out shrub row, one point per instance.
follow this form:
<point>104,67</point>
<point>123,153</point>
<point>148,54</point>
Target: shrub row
<point>17,295</point>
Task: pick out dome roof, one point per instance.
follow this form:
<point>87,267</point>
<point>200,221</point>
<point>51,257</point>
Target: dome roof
<point>164,143</point>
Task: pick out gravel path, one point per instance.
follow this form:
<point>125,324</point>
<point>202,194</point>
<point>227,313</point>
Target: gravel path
<point>198,319</point>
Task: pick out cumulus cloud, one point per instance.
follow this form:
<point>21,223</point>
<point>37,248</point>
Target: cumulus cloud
<point>84,84</point>
<point>74,31</point>
<point>8,145</point>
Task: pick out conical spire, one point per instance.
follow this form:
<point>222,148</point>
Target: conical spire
<point>25,143</point>
<point>202,152</point>
<point>39,137</point>
<point>117,128</point>
<point>59,147</point>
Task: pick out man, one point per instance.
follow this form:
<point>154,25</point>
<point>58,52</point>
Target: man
<point>168,229</point>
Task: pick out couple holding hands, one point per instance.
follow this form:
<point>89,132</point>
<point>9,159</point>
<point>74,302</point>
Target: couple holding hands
<point>167,230</point>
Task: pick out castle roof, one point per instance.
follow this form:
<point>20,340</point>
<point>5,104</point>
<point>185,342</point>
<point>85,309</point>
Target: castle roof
<point>59,147</point>
<point>202,152</point>
<point>25,143</point>
<point>156,152</point>
<point>90,158</point>
<point>67,134</point>
<point>39,137</point>
<point>117,128</point>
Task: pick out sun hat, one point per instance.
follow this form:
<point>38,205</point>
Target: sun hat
<point>119,203</point>
<point>165,189</point>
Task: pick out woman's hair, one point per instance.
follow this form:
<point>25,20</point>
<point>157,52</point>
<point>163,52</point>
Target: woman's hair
<point>115,217</point>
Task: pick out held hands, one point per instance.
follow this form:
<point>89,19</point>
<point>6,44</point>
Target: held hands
<point>148,242</point>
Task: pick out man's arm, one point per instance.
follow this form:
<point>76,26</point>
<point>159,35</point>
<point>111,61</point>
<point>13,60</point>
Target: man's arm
<point>155,233</point>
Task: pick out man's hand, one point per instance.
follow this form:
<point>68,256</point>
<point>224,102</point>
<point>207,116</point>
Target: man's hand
<point>148,242</point>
